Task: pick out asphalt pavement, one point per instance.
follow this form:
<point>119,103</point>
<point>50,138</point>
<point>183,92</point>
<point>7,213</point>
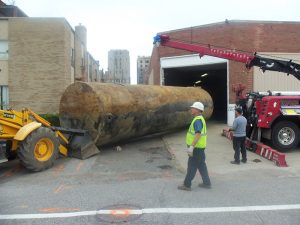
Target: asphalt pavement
<point>137,184</point>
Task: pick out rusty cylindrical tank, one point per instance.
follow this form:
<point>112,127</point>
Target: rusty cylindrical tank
<point>113,112</point>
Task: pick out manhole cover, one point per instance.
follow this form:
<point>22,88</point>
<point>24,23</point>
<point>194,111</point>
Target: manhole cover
<point>122,213</point>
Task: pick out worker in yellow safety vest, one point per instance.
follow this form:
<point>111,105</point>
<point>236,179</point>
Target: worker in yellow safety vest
<point>196,144</point>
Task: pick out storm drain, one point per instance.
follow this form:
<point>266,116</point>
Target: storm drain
<point>122,213</point>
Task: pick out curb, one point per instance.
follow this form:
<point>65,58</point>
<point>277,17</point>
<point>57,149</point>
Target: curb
<point>171,151</point>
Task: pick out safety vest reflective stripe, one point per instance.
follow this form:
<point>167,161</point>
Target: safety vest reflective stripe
<point>191,133</point>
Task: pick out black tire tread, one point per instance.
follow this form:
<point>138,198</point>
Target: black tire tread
<point>10,155</point>
<point>26,147</point>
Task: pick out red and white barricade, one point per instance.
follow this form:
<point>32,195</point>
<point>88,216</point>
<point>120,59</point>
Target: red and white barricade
<point>261,149</point>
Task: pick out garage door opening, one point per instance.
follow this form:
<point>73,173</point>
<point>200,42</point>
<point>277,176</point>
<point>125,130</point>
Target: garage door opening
<point>212,78</point>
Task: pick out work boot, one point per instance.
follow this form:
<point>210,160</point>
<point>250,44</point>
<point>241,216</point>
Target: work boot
<point>244,160</point>
<point>208,186</point>
<point>235,162</point>
<point>183,187</point>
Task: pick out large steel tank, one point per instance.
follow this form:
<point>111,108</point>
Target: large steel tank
<point>113,112</point>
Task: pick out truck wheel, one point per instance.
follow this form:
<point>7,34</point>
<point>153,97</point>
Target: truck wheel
<point>39,150</point>
<point>285,135</point>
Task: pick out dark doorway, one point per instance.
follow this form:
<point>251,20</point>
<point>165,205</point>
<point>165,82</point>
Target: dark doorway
<point>212,78</point>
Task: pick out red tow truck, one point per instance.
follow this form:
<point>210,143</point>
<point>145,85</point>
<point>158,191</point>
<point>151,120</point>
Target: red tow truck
<point>274,116</point>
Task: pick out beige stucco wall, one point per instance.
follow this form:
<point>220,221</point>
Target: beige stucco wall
<point>39,64</point>
<point>3,29</point>
<point>276,81</point>
<point>3,61</point>
<point>3,72</point>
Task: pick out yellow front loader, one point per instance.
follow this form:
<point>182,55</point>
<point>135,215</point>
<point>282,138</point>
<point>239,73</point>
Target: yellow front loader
<point>36,143</point>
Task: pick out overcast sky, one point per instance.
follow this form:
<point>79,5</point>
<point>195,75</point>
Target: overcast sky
<point>132,24</point>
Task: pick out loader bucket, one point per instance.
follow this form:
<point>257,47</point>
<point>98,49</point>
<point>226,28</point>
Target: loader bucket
<point>82,146</point>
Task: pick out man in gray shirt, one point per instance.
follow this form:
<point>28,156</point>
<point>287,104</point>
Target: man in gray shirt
<point>239,136</point>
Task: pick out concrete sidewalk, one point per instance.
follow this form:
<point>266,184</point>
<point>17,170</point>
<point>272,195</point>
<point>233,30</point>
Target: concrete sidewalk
<point>219,153</point>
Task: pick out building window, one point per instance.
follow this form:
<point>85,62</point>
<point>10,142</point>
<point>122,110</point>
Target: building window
<point>3,50</point>
<point>4,104</point>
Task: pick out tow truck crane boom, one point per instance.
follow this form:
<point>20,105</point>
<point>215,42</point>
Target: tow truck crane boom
<point>250,60</point>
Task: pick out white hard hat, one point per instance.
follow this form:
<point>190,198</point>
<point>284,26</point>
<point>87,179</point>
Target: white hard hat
<point>198,105</point>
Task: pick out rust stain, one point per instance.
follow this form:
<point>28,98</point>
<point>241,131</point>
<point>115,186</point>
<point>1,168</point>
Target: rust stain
<point>113,112</point>
<point>53,210</point>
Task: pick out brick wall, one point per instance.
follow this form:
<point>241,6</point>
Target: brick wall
<point>153,74</point>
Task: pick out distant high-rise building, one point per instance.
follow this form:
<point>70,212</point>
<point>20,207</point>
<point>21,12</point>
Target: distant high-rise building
<point>142,67</point>
<point>118,66</point>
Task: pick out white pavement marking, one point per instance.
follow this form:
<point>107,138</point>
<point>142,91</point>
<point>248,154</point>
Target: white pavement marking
<point>128,212</point>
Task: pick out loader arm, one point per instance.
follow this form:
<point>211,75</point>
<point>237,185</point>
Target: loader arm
<point>250,60</point>
<point>38,118</point>
<point>48,124</point>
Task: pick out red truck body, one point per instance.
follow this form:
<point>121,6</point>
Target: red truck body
<point>272,107</point>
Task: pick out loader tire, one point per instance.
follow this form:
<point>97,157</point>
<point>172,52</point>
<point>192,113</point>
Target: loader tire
<point>39,150</point>
<point>285,135</point>
<point>10,155</point>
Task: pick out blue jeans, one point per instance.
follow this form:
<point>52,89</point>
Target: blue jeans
<point>239,147</point>
<point>194,163</point>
